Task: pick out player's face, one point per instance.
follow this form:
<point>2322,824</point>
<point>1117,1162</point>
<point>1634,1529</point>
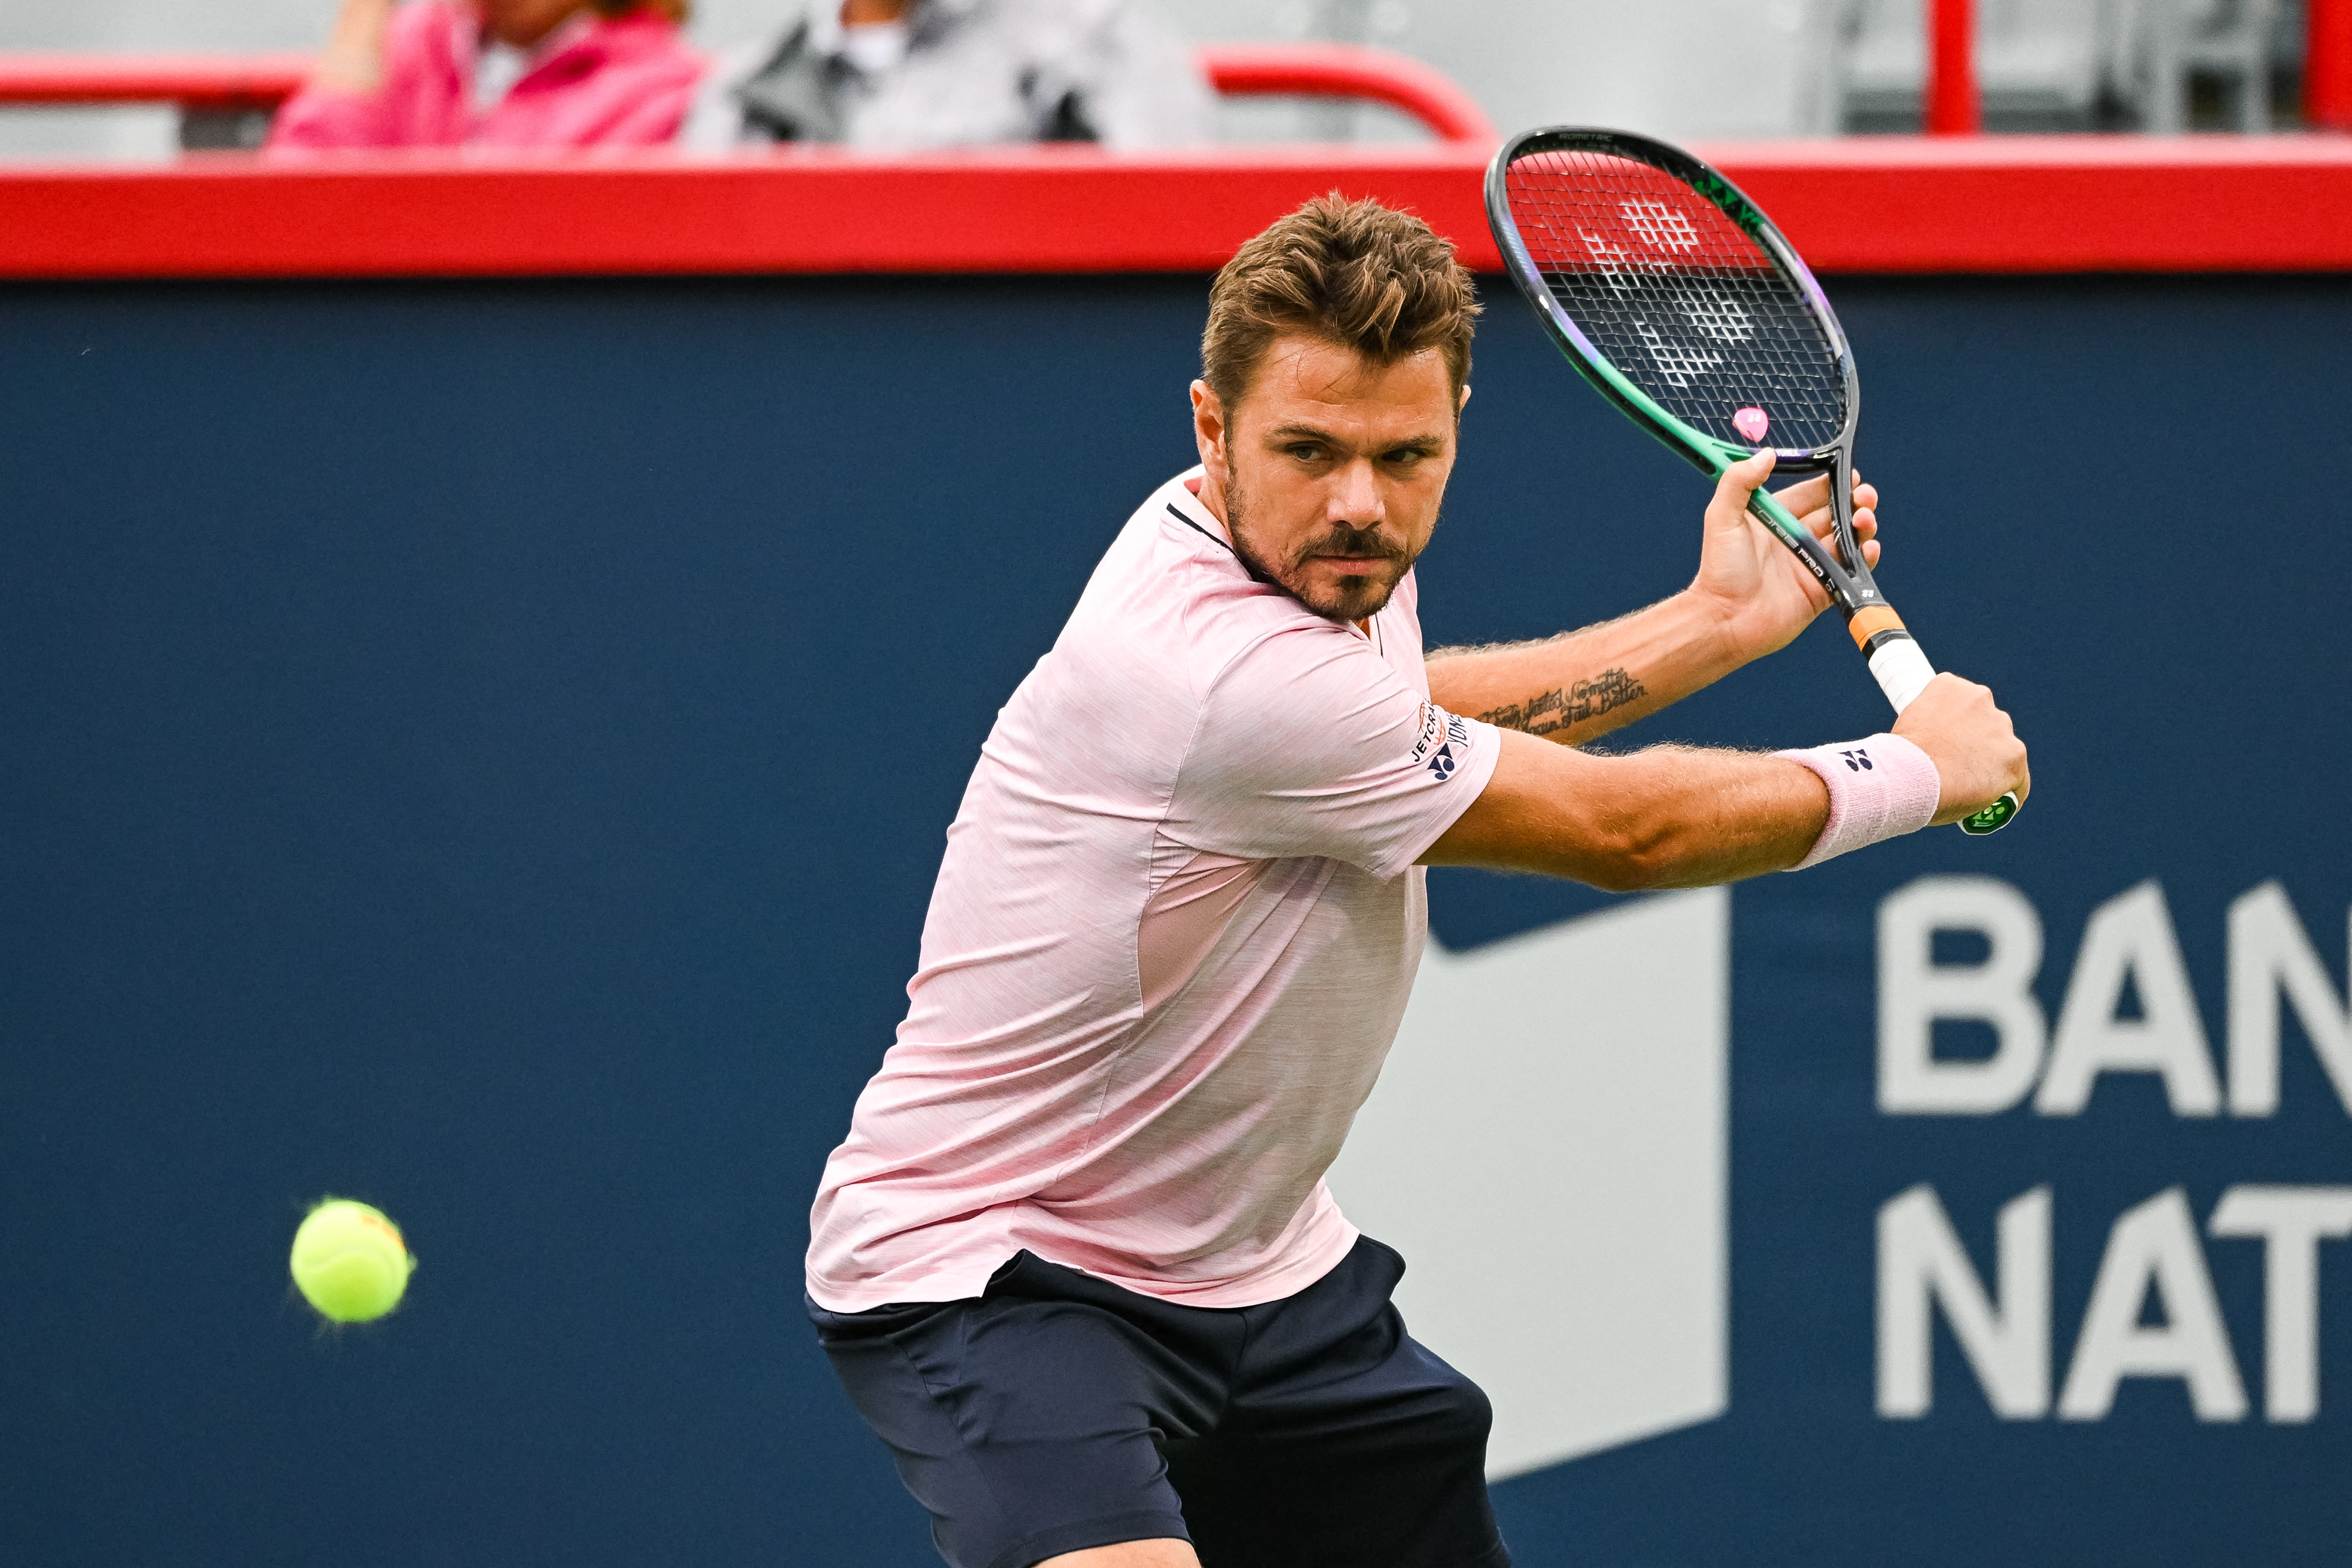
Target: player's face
<point>1329,474</point>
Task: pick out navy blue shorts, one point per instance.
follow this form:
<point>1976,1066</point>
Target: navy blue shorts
<point>1056,1412</point>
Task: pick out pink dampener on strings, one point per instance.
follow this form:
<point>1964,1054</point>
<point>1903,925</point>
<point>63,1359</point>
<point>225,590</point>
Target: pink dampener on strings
<point>1751,423</point>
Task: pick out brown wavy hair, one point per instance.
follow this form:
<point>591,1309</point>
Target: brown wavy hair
<point>1358,274</point>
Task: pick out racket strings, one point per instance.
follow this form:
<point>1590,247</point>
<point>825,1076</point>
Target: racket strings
<point>1681,300</point>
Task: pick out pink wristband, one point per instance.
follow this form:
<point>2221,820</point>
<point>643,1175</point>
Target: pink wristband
<point>1881,788</point>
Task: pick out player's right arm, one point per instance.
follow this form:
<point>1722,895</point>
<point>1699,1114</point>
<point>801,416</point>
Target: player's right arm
<point>1677,815</point>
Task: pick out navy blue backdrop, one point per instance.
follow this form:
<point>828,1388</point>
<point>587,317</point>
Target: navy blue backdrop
<point>484,749</point>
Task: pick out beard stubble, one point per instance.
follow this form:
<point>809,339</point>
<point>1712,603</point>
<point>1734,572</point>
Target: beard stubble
<point>1349,603</point>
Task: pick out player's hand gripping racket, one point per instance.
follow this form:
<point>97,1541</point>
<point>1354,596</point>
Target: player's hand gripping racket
<point>1682,305</point>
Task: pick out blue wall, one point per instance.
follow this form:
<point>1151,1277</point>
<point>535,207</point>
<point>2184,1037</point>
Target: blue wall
<point>484,748</point>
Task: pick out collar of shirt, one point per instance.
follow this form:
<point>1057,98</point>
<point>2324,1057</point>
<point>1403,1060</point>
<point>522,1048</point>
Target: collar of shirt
<point>1184,500</point>
<point>827,37</point>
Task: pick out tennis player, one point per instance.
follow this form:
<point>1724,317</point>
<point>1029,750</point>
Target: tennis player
<point>1076,1264</point>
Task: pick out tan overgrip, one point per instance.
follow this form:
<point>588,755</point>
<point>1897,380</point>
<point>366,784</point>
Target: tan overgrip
<point>1868,623</point>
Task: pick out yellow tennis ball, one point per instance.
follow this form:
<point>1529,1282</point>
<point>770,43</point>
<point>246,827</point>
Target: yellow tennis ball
<point>348,1262</point>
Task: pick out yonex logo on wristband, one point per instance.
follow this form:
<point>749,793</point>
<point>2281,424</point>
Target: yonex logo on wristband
<point>1872,795</point>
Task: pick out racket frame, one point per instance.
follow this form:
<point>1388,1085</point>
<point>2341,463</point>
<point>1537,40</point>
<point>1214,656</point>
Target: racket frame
<point>1891,653</point>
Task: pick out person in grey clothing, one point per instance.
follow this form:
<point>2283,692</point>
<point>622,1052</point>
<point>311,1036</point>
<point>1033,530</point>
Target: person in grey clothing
<point>945,73</point>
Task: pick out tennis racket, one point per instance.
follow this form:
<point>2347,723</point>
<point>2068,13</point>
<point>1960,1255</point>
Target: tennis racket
<point>1681,303</point>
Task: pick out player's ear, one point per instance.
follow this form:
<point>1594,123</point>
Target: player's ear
<point>1465,401</point>
<point>1208,414</point>
<point>1209,432</point>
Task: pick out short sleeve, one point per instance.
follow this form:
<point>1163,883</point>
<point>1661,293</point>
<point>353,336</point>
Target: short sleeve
<point>1309,743</point>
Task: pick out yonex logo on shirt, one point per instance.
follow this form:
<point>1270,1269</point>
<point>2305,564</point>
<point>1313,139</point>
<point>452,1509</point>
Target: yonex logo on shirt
<point>1444,731</point>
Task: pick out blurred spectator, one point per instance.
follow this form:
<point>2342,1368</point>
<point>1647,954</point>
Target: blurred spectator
<point>937,73</point>
<point>509,73</point>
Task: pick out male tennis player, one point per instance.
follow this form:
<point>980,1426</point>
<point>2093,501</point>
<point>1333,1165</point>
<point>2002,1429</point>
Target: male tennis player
<point>1075,1262</point>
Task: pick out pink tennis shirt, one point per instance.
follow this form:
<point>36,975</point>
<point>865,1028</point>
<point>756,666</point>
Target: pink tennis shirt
<point>1170,946</point>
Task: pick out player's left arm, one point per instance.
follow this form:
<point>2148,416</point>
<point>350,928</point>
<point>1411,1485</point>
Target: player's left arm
<point>1750,598</point>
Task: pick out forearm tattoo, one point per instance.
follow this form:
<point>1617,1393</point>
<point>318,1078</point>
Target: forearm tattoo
<point>1557,709</point>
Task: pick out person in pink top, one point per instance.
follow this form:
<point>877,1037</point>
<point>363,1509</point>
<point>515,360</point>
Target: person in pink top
<point>1075,1262</point>
<point>501,73</point>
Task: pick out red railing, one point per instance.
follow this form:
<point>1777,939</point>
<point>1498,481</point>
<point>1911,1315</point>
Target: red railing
<point>1870,203</point>
<point>229,83</point>
<point>2327,64</point>
<point>201,82</point>
<point>211,83</point>
<point>1952,107</point>
<point>1348,70</point>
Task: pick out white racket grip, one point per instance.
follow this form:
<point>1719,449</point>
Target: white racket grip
<point>1901,669</point>
<point>1903,672</point>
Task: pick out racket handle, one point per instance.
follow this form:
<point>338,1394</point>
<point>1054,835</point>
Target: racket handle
<point>1901,672</point>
